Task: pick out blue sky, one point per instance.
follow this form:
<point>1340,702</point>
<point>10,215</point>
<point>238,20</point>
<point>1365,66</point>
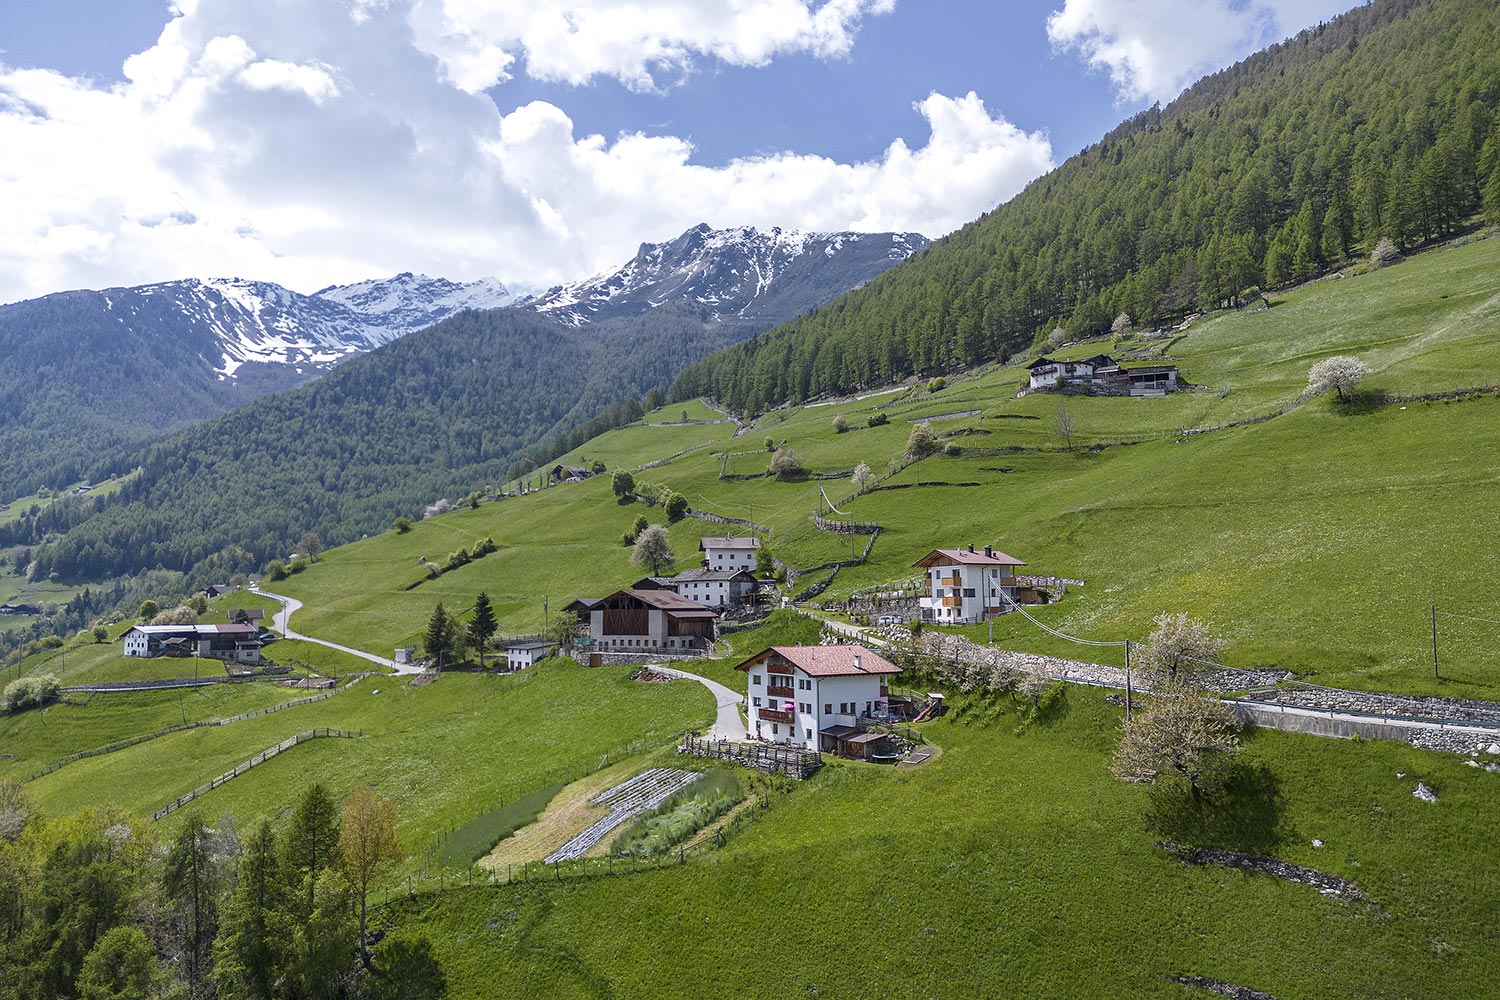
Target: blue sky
<point>314,141</point>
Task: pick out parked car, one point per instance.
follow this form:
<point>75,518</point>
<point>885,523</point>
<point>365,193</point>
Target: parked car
<point>267,637</point>
<point>889,620</point>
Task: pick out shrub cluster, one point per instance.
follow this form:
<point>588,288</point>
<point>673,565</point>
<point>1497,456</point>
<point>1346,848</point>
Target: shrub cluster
<point>29,692</point>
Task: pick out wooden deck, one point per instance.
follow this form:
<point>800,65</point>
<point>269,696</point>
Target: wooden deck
<point>771,758</point>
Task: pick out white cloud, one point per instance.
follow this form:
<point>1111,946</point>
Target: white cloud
<point>641,43</point>
<point>1153,49</point>
<point>323,145</point>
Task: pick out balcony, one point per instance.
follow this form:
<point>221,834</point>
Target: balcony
<point>953,602</point>
<point>949,581</point>
<point>781,692</point>
<point>774,715</point>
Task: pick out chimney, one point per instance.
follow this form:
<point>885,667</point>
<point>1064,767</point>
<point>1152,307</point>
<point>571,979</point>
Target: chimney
<point>856,662</point>
<point>989,551</point>
<point>971,547</point>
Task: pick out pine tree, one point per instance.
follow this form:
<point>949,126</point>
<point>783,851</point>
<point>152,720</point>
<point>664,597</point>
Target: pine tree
<point>250,953</point>
<point>438,639</point>
<point>482,626</point>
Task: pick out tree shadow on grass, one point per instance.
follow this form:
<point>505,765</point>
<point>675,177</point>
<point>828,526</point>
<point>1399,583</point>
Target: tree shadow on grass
<point>1247,815</point>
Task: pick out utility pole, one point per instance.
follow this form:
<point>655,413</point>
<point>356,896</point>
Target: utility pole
<point>1434,644</point>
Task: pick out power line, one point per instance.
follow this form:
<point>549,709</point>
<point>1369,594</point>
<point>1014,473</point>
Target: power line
<point>1052,631</point>
<point>1472,618</point>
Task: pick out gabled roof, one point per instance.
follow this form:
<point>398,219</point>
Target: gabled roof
<point>966,557</point>
<point>1150,370</point>
<point>828,661</point>
<point>195,629</point>
<point>1098,361</point>
<point>534,644</point>
<point>746,542</point>
<point>1042,363</point>
<point>710,576</point>
<point>669,601</point>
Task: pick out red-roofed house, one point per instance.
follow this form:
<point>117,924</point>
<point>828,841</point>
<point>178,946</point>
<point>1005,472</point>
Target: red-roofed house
<point>810,696</point>
<point>964,586</point>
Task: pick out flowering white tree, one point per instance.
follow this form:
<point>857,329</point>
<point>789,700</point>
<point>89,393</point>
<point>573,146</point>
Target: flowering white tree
<point>1178,645</point>
<point>1185,734</point>
<point>861,477</point>
<point>1340,373</point>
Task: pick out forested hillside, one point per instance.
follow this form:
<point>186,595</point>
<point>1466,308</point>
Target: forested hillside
<point>1380,124</point>
<point>449,408</point>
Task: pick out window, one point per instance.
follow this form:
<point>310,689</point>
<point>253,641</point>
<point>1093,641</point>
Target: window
<point>828,708</point>
<point>755,679</point>
<point>757,702</point>
<point>775,729</point>
<point>968,591</point>
<point>808,732</point>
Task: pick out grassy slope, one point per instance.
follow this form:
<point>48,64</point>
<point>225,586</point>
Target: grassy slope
<point>1014,866</point>
<point>1316,541</point>
<point>443,753</point>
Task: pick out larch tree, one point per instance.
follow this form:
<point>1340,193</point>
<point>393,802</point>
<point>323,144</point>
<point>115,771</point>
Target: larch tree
<point>251,952</point>
<point>368,847</point>
<point>310,839</point>
<point>1063,425</point>
<point>193,878</point>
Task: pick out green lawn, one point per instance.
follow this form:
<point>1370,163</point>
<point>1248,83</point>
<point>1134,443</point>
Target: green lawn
<point>1015,866</point>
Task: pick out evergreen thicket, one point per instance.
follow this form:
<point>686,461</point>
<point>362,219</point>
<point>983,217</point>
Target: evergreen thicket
<point>1379,124</point>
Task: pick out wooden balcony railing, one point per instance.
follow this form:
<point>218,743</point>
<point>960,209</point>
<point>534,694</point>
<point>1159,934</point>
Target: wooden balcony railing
<point>774,715</point>
<point>781,692</point>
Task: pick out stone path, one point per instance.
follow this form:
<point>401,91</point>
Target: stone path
<point>727,724</point>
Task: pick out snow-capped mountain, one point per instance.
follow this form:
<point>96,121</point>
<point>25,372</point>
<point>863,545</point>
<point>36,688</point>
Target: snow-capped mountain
<point>83,372</point>
<point>742,275</point>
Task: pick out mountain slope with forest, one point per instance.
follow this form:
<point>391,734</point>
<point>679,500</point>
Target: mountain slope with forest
<point>437,413</point>
<point>1382,123</point>
<point>86,372</point>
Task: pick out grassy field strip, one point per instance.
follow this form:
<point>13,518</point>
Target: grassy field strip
<point>256,761</point>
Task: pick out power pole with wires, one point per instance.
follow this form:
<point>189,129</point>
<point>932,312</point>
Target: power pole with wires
<point>1435,674</point>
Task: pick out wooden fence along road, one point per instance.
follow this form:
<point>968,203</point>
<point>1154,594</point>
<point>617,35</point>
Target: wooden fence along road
<point>256,761</point>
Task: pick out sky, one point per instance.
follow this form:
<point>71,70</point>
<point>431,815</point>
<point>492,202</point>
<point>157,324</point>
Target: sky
<point>314,142</point>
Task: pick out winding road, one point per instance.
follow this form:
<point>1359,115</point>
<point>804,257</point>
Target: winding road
<point>289,606</point>
<point>727,725</point>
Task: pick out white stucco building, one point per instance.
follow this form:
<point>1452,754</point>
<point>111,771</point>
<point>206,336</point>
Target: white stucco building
<point>729,553</point>
<point>806,695</point>
<point>520,655</point>
<point>237,643</point>
<point>712,588</point>
<point>965,586</point>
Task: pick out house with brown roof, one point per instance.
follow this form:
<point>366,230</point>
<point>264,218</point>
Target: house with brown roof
<point>237,643</point>
<point>965,586</point>
<point>713,588</point>
<point>645,621</point>
<point>815,696</point>
<point>729,553</point>
<point>1101,374</point>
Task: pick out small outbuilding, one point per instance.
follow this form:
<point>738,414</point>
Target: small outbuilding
<point>522,654</point>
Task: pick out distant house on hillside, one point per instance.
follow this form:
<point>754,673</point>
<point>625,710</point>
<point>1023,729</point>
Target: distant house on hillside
<point>814,696</point>
<point>1103,375</point>
<point>246,616</point>
<point>713,588</point>
<point>645,621</point>
<point>234,643</point>
<point>216,590</point>
<point>964,586</point>
<point>729,553</point>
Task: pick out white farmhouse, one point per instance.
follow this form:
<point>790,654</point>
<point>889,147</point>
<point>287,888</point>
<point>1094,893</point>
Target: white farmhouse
<point>808,696</point>
<point>712,588</point>
<point>964,586</point>
<point>237,643</point>
<point>729,553</point>
<point>521,654</point>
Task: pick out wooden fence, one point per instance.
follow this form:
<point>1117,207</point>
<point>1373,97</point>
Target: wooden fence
<point>183,727</point>
<point>772,758</point>
<point>256,761</point>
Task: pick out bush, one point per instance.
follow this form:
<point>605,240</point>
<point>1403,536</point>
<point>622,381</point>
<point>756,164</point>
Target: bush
<point>275,570</point>
<point>951,449</point>
<point>402,525</point>
<point>676,505</point>
<point>622,483</point>
<point>770,444</point>
<point>879,420</point>
<point>840,424</point>
<point>29,692</point>
<point>937,385</point>
<point>787,464</point>
<point>180,615</point>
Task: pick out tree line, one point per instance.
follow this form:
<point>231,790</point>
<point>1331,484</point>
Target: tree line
<point>98,905</point>
<point>1381,124</point>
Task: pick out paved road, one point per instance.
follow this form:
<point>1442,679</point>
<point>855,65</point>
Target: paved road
<point>289,606</point>
<point>727,725</point>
